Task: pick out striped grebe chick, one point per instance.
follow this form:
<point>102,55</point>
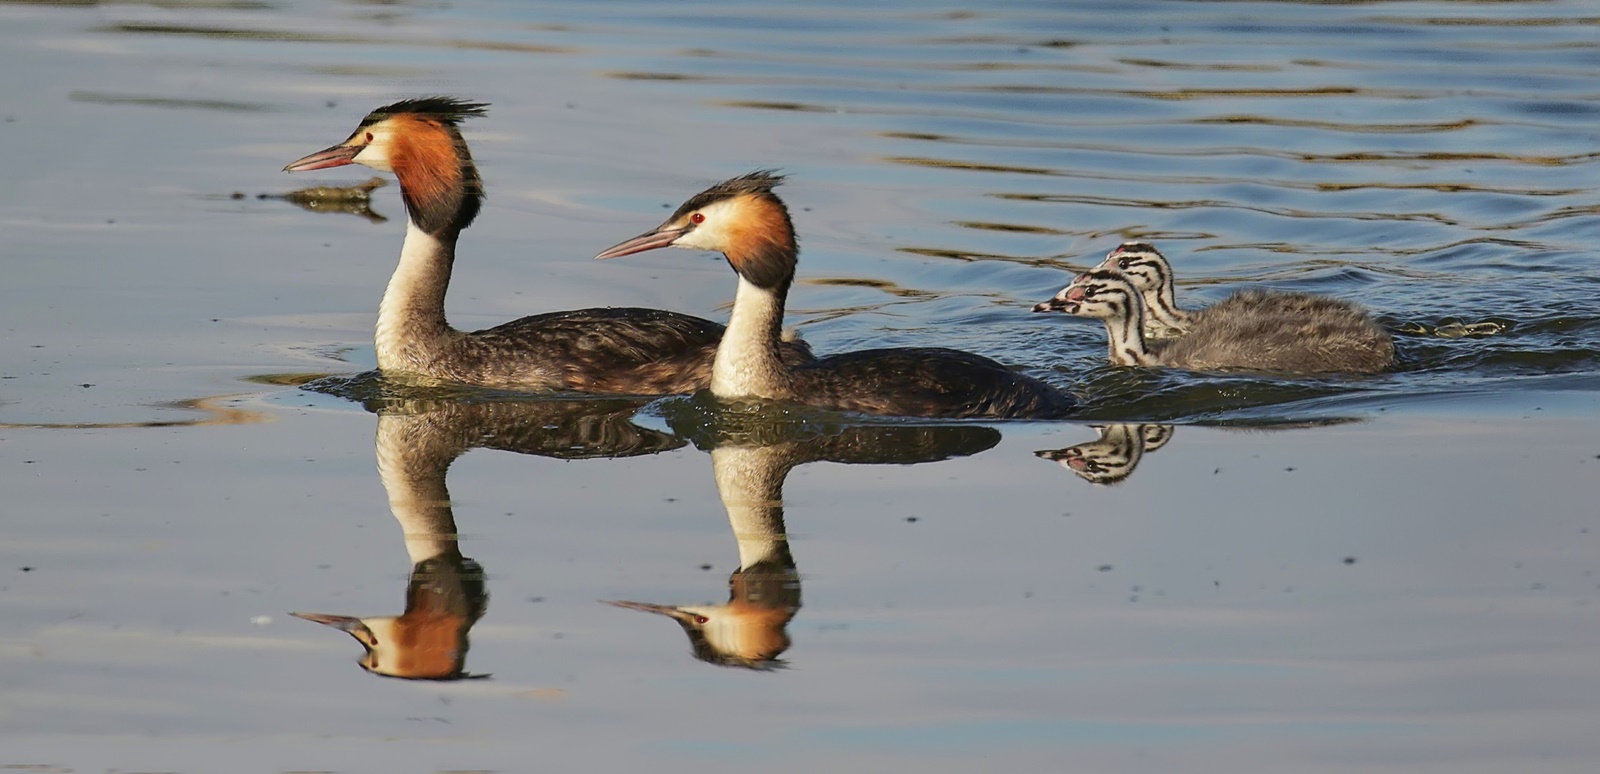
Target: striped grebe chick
<point>1151,274</point>
<point>745,221</point>
<point>1313,336</point>
<point>602,350</point>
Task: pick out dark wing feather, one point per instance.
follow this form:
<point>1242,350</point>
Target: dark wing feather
<point>616,350</point>
<point>928,382</point>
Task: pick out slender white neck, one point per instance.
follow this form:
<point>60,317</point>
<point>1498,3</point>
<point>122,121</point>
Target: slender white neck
<point>411,315</point>
<point>750,481</point>
<point>747,364</point>
<point>415,482</point>
<point>1126,334</point>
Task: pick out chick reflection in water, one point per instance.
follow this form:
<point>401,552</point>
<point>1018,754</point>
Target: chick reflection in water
<point>1112,457</point>
<point>416,443</point>
<point>750,630</point>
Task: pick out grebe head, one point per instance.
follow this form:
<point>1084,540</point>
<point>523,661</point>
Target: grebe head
<point>1100,293</point>
<point>741,218</point>
<point>406,647</point>
<point>419,140</point>
<point>1144,266</point>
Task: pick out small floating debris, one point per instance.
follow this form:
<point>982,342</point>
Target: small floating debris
<point>1454,329</point>
<point>352,199</point>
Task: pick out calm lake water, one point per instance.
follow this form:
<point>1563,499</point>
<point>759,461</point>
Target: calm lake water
<point>1222,574</point>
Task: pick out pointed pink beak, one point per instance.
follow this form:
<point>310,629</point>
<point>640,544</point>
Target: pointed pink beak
<point>662,237</point>
<point>343,623</point>
<point>337,156</point>
<point>666,610</point>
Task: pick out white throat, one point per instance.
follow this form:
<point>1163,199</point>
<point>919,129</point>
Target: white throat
<point>747,364</point>
<point>412,310</point>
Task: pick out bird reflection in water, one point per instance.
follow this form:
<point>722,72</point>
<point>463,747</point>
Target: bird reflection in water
<point>750,464</point>
<point>350,199</point>
<point>417,440</point>
<point>1112,457</point>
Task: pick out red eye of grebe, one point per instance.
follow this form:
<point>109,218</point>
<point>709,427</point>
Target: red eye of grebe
<point>697,218</point>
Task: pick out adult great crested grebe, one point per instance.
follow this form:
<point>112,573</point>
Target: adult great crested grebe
<point>745,221</point>
<point>602,350</point>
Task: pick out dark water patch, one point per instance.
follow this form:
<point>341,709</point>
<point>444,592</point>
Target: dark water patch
<point>960,67</point>
<point>288,36</point>
<point>626,75</point>
<point>1491,21</point>
<point>1114,393</point>
<point>169,102</point>
<point>234,33</point>
<point>290,379</point>
<point>1439,187</point>
<point>1113,174</point>
<point>1449,157</point>
<point>1497,253</point>
<point>1305,275</point>
<point>968,256</point>
<point>1201,94</point>
<point>1520,349</point>
<point>1291,29</point>
<point>1219,204</point>
<point>966,165</point>
<point>879,285</point>
<point>1564,212</point>
<point>921,136</point>
<point>1200,66</point>
<point>1425,367</point>
<point>795,107</point>
<point>1343,126</point>
<point>1010,228</point>
<point>1047,141</point>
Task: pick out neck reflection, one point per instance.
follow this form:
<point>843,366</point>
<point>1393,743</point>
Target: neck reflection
<point>446,593</point>
<point>750,464</point>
